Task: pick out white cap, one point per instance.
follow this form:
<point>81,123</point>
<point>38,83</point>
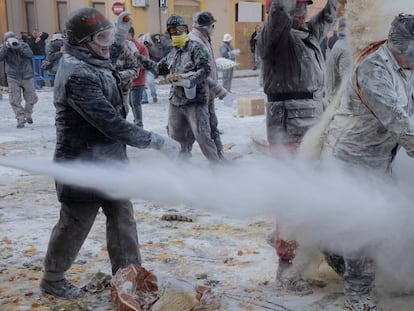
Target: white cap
<point>57,36</point>
<point>227,37</point>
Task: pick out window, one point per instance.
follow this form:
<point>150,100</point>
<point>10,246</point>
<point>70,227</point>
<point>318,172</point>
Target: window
<point>62,14</point>
<point>30,16</point>
<point>100,6</point>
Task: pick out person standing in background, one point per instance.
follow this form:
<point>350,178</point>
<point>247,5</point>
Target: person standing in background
<point>37,42</point>
<point>138,83</point>
<point>227,51</point>
<point>156,52</point>
<point>253,39</point>
<point>54,51</point>
<point>203,28</point>
<point>18,60</point>
<point>339,63</point>
<point>127,68</point>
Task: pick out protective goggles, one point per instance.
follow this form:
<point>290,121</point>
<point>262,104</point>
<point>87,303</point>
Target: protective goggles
<point>178,30</point>
<point>104,37</point>
<point>301,9</point>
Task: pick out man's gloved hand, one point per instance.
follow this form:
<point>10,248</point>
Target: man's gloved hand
<point>127,74</point>
<point>12,43</point>
<point>221,93</point>
<point>133,47</point>
<point>229,98</point>
<point>166,145</point>
<point>123,24</point>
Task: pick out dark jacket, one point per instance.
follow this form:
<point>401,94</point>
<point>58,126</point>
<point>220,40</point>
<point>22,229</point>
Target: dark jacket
<point>18,61</point>
<point>292,59</point>
<point>191,57</point>
<point>253,39</point>
<point>90,117</point>
<point>38,48</point>
<point>53,55</point>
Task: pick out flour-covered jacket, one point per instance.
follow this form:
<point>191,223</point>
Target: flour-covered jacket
<point>338,67</point>
<point>358,136</point>
<point>90,117</point>
<point>53,55</point>
<point>215,88</point>
<point>18,61</point>
<point>189,58</point>
<point>293,69</point>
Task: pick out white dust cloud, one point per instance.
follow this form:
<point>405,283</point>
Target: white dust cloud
<point>370,20</point>
<point>325,207</point>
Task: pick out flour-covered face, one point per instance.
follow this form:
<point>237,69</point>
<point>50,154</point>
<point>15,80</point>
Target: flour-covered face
<point>101,42</point>
<point>301,9</point>
<point>299,15</point>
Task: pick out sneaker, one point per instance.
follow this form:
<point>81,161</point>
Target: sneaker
<point>361,303</point>
<point>155,100</point>
<point>61,289</point>
<point>288,279</point>
<point>144,102</point>
<point>20,124</point>
<point>29,120</point>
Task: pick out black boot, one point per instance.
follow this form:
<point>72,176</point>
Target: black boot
<point>60,289</point>
<point>336,262</point>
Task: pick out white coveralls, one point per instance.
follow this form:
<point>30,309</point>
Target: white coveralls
<point>370,137</point>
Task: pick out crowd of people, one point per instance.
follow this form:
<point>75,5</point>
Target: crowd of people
<point>102,70</point>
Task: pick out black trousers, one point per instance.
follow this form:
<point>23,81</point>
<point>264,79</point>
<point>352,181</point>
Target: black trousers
<point>73,226</point>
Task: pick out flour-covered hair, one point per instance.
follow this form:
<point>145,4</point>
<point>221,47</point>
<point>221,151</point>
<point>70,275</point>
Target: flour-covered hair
<point>401,33</point>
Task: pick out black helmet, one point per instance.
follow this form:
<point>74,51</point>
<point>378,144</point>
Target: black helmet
<point>203,19</point>
<point>174,21</point>
<point>84,23</point>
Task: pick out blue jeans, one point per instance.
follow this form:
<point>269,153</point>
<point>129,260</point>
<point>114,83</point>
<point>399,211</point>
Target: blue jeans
<point>135,99</point>
<point>151,86</point>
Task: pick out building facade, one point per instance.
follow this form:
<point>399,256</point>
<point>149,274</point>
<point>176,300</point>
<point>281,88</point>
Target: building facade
<point>237,17</point>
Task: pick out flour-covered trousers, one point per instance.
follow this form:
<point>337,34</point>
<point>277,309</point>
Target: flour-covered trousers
<point>74,224</point>
<point>288,120</point>
<point>15,97</point>
<point>194,117</point>
<point>227,79</point>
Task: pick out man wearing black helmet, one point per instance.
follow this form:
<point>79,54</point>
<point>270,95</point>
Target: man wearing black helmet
<point>203,28</point>
<point>91,127</point>
<point>293,70</point>
<point>187,69</point>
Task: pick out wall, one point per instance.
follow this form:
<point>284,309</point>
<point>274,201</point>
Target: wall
<point>152,18</point>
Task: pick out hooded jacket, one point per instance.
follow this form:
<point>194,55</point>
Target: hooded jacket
<point>214,87</point>
<point>18,61</point>
<point>90,117</point>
